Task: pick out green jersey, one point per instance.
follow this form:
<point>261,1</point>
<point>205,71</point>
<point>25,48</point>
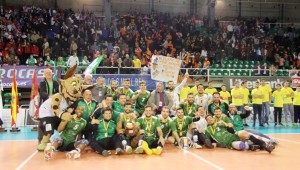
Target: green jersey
<point>189,110</point>
<point>106,129</point>
<point>31,61</point>
<point>221,135</point>
<point>237,122</point>
<point>89,108</point>
<point>223,106</point>
<point>128,92</point>
<point>141,101</point>
<point>149,126</point>
<point>165,125</point>
<point>117,107</point>
<point>113,93</point>
<point>223,117</point>
<point>181,126</point>
<point>126,119</point>
<point>71,131</point>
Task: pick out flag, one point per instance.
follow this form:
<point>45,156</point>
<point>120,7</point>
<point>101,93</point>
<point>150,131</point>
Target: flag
<point>14,100</point>
<point>91,68</point>
<point>54,72</point>
<point>1,103</point>
<point>34,98</point>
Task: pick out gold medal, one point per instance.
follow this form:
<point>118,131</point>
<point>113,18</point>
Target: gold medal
<point>106,135</point>
<point>180,133</point>
<point>149,134</point>
<point>106,128</point>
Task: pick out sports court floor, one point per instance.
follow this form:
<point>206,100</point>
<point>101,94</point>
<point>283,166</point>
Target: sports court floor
<point>18,151</point>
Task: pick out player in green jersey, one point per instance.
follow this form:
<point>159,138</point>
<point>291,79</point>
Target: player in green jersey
<point>125,89</point>
<point>219,132</point>
<point>127,128</point>
<point>105,135</point>
<point>165,123</point>
<point>181,125</point>
<point>149,128</point>
<point>141,98</point>
<point>113,89</point>
<point>66,141</point>
<point>189,107</point>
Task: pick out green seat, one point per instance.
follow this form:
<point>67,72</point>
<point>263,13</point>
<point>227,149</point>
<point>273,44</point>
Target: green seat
<point>235,61</point>
<point>217,65</point>
<point>279,73</point>
<point>237,73</point>
<point>230,61</point>
<point>219,72</point>
<point>244,73</point>
<point>285,72</point>
<point>225,73</point>
<point>232,72</point>
<point>228,65</point>
<point>235,66</point>
<point>212,72</point>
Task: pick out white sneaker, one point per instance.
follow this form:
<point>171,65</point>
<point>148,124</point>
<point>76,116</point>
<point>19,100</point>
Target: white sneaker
<point>197,146</point>
<point>73,154</point>
<point>128,149</point>
<point>48,152</point>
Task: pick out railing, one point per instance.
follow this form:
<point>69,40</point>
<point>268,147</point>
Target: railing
<point>193,72</point>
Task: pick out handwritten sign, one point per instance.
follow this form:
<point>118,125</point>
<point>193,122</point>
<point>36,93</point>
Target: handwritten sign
<point>165,68</point>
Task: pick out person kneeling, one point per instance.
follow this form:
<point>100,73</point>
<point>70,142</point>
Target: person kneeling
<point>66,141</point>
<point>105,135</point>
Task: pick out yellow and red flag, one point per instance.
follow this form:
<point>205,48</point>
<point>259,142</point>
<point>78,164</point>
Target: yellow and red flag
<point>34,98</point>
<point>14,100</point>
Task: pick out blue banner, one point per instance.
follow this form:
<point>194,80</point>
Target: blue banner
<point>24,75</point>
<point>134,79</point>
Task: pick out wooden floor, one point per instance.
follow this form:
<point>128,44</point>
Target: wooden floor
<point>22,154</point>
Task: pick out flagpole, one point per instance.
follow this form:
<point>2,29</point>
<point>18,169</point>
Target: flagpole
<point>2,129</point>
<point>14,103</point>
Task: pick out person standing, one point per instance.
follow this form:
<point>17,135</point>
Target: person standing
<point>267,92</point>
<point>288,93</point>
<point>257,97</point>
<point>48,86</point>
<point>296,104</point>
<point>278,104</point>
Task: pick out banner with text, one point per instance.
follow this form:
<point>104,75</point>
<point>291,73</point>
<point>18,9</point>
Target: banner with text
<point>165,68</point>
<point>24,75</point>
<point>134,79</point>
<point>272,81</point>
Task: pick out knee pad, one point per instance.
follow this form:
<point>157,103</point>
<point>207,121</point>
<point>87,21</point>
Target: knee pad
<point>82,141</point>
<point>58,140</point>
<point>195,138</point>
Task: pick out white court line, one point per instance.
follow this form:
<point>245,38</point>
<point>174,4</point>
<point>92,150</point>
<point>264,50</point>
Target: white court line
<point>288,140</point>
<point>18,140</point>
<point>27,160</point>
<point>282,134</point>
<point>204,160</point>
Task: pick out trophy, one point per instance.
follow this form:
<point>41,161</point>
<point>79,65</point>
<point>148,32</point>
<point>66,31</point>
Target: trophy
<point>185,143</point>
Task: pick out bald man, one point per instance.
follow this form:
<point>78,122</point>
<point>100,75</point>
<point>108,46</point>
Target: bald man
<point>48,86</point>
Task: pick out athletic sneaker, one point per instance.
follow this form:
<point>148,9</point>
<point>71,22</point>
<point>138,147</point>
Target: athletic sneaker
<point>269,148</point>
<point>208,144</point>
<point>157,151</point>
<point>128,149</point>
<point>146,148</point>
<point>74,154</point>
<point>254,147</point>
<point>41,146</point>
<point>197,146</point>
<point>274,141</point>
<point>105,152</point>
<point>48,152</point>
<point>119,151</point>
<point>139,150</point>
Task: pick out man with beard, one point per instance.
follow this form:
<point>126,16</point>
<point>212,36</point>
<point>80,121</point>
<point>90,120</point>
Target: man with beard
<point>151,139</point>
<point>189,107</point>
<point>105,135</point>
<point>165,123</point>
<point>125,89</point>
<point>217,103</point>
<point>181,125</point>
<point>127,129</point>
<point>113,89</point>
<point>218,131</point>
<point>141,98</point>
<point>202,98</point>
